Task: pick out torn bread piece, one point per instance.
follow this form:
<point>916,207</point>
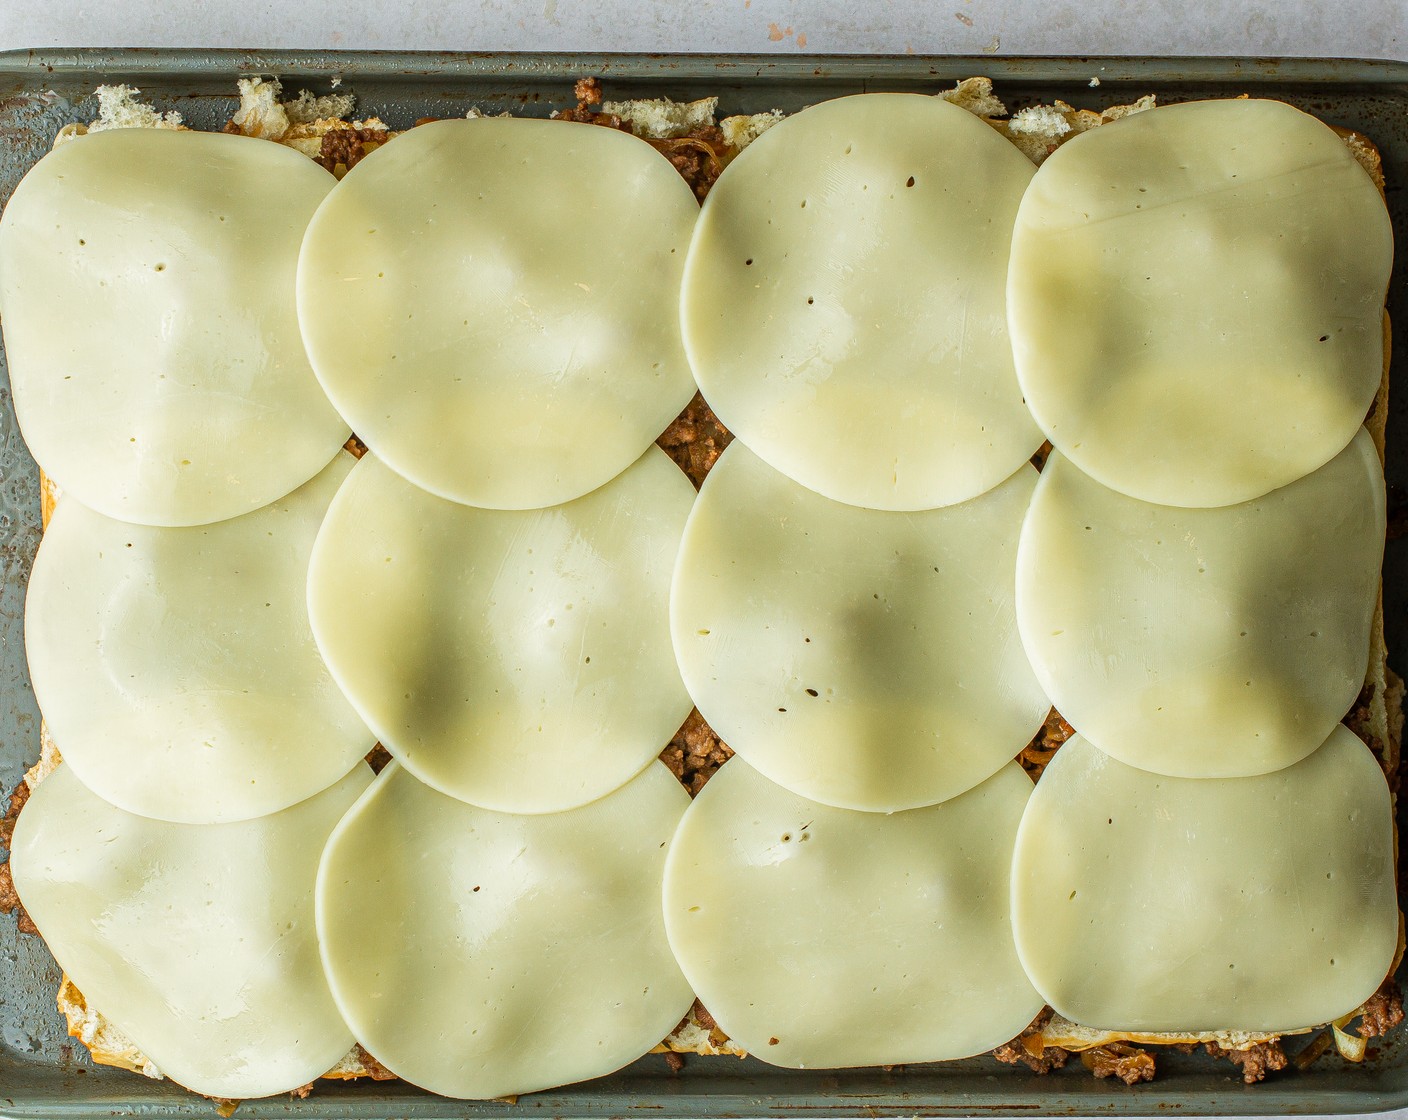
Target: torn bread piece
<point>1377,717</point>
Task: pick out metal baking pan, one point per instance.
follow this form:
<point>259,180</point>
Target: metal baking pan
<point>43,1074</point>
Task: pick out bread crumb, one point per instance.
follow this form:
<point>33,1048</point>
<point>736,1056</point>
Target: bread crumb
<point>1094,81</point>
<point>663,119</point>
<point>739,132</point>
<point>1040,120</point>
<point>976,96</point>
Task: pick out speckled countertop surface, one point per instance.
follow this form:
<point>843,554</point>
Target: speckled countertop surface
<point>1347,28</point>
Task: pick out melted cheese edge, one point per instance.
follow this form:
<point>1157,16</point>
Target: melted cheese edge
<point>1195,298</point>
<point>861,658</point>
<point>468,949</point>
<point>177,667</point>
<point>146,288</point>
<point>1148,903</point>
<point>517,659</point>
<point>843,303</point>
<point>821,937</point>
<point>196,940</point>
<point>1204,642</point>
<point>496,329</point>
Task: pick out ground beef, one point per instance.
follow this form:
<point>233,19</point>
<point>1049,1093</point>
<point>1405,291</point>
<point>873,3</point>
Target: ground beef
<point>344,147</point>
<point>355,447</point>
<point>674,1061</point>
<point>9,898</point>
<point>375,1070</point>
<point>377,758</point>
<point>1029,1050</point>
<point>1036,754</point>
<point>695,439</point>
<point>1360,721</point>
<point>10,902</point>
<point>587,91</point>
<point>698,156</point>
<point>12,813</point>
<point>1254,1061</point>
<point>1119,1059</point>
<point>588,94</point>
<point>1041,454</point>
<point>1383,1011</point>
<point>693,755</point>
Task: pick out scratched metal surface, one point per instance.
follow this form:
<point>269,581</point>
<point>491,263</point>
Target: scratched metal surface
<point>44,1075</point>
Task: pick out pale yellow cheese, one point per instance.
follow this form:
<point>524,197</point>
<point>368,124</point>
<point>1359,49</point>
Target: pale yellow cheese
<point>497,325</point>
<point>1148,903</point>
<point>480,954</point>
<point>1204,642</point>
<point>862,658</point>
<point>1196,295</point>
<point>843,303</point>
<point>177,667</point>
<point>146,288</point>
<point>518,659</point>
<point>197,941</point>
<point>822,937</point>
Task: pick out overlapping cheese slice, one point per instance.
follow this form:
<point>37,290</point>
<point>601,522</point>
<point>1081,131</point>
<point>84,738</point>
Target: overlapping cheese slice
<point>843,303</point>
<point>861,658</point>
<point>519,660</point>
<point>1149,903</point>
<point>1204,642</point>
<point>146,289</point>
<point>197,941</point>
<point>479,954</point>
<point>824,937</point>
<point>177,669</point>
<point>493,304</point>
<point>1196,299</point>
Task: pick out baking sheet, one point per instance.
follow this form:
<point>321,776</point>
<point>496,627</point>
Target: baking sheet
<point>44,1074</point>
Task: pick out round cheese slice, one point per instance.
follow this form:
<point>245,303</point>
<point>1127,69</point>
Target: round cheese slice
<point>861,658</point>
<point>843,302</point>
<point>517,659</point>
<point>493,304</point>
<point>1196,299</point>
<point>1204,642</point>
<point>146,289</point>
<point>480,954</point>
<point>822,937</point>
<point>176,668</point>
<point>1148,903</point>
<point>196,941</point>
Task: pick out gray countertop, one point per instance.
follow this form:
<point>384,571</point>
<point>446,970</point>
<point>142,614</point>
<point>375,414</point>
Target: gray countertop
<point>1348,28</point>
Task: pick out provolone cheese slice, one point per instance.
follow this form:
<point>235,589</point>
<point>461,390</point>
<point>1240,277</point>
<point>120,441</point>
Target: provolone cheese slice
<point>1204,642</point>
<point>843,303</point>
<point>480,954</point>
<point>823,937</point>
<point>518,659</point>
<point>861,658</point>
<point>493,304</point>
<point>146,289</point>
<point>177,669</point>
<point>1196,299</point>
<point>197,941</point>
<point>1148,903</point>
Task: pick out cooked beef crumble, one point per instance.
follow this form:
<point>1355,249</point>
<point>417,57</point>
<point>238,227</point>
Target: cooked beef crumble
<point>1036,754</point>
<point>1130,1064</point>
<point>1029,1050</point>
<point>695,439</point>
<point>694,754</point>
<point>1255,1061</point>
